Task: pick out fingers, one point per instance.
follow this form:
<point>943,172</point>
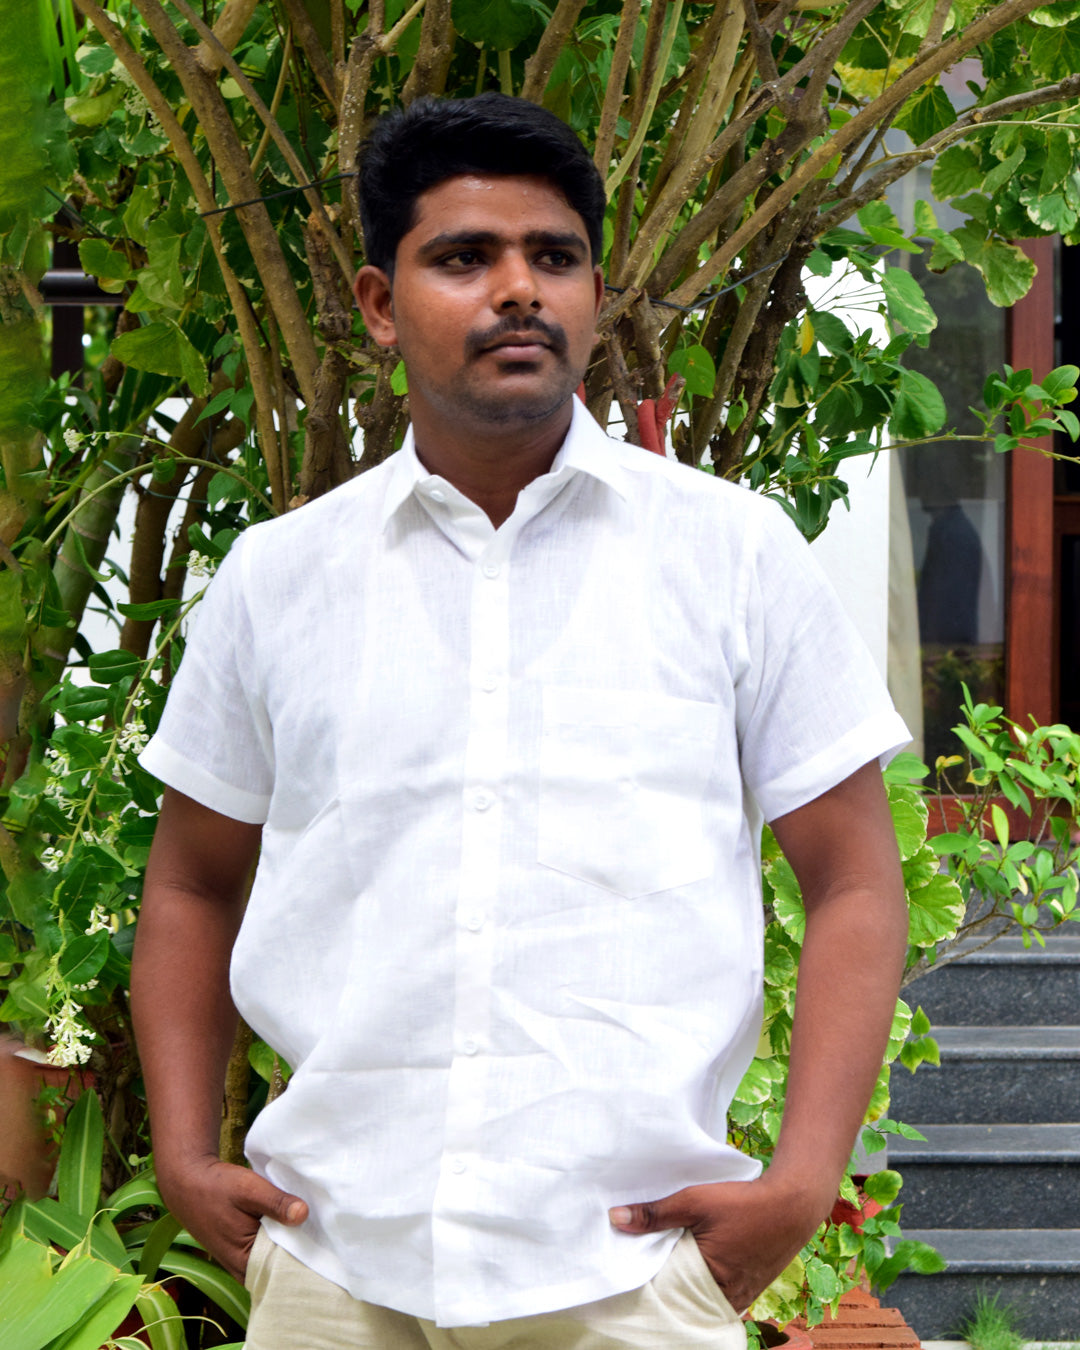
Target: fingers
<point>261,1198</point>
<point>653,1216</point>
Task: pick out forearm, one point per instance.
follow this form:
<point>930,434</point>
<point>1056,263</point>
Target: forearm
<point>849,977</point>
<point>183,1015</point>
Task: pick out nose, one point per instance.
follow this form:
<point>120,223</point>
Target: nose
<point>514,284</point>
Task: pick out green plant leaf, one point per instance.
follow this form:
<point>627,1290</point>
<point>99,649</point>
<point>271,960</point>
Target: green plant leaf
<point>162,1318</point>
<point>956,172</point>
<point>79,1170</point>
<point>498,24</point>
<point>697,368</point>
<point>926,112</point>
<point>935,912</point>
<point>906,303</point>
<point>217,1284</point>
<point>163,348</point>
<point>112,666</point>
<point>919,409</point>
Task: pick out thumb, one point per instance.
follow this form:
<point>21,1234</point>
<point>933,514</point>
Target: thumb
<point>653,1216</point>
<point>267,1199</point>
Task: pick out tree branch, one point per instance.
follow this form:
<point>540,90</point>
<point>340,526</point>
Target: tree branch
<point>307,38</point>
<point>613,95</point>
<point>228,31</point>
<point>762,42</point>
<point>539,66</point>
<point>432,63</point>
<point>204,197</point>
<point>271,124</point>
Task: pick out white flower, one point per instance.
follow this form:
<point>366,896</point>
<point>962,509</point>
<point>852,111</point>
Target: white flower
<point>84,988</point>
<point>133,736</point>
<point>199,565</point>
<point>69,1035</point>
<point>72,438</point>
<point>100,922</point>
<point>51,858</point>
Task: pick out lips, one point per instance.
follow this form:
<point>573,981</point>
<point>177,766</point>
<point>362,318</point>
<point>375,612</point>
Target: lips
<point>524,346</point>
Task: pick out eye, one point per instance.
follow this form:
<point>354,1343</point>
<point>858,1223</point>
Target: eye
<point>558,258</point>
<point>461,258</point>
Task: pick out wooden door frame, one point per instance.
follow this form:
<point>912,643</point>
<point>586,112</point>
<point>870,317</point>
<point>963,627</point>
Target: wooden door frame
<point>1030,562</point>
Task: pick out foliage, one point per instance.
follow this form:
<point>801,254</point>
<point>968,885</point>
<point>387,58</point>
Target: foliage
<point>972,879</point>
<point>72,1269</point>
<point>744,149</point>
<point>993,1325</point>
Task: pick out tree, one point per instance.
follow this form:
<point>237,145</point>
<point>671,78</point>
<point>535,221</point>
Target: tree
<point>201,158</point>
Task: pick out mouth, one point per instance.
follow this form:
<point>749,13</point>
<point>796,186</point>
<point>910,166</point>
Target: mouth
<point>520,349</point>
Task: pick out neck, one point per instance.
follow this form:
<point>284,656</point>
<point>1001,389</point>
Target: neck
<point>490,465</point>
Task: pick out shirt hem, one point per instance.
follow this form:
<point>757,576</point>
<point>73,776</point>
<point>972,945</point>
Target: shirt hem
<point>547,1299</point>
<point>877,737</point>
<point>176,771</point>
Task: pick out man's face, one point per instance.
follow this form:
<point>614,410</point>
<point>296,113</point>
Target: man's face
<point>493,302</point>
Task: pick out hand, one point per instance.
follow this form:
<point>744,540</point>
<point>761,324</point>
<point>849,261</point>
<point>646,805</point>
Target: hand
<point>221,1205</point>
<point>747,1231</point>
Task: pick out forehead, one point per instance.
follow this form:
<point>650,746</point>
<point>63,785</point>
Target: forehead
<point>506,203</point>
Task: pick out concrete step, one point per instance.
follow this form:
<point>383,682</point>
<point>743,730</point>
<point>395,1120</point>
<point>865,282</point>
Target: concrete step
<point>992,1075</point>
<point>1005,1176</point>
<point>1036,1270</point>
<point>1004,983</point>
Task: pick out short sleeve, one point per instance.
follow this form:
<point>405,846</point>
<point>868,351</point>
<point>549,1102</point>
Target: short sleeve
<point>811,705</point>
<point>214,741</point>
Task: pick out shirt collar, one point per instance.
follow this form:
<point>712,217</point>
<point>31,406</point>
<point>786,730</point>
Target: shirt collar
<point>586,449</point>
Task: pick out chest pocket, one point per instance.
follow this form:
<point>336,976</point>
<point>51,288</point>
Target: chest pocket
<point>622,782</point>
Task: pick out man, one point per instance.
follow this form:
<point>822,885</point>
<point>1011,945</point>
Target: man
<point>506,713</point>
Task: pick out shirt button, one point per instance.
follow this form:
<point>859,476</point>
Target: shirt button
<point>482,800</point>
<point>475,922</point>
<point>489,683</point>
<point>491,570</point>
<point>437,495</point>
<point>470,1047</point>
<point>457,1165</point>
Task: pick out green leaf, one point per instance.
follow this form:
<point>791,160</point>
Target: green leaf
<point>12,613</point>
<point>1055,15</point>
<point>162,348</point>
<point>399,379</point>
<point>909,816</point>
<point>935,912</point>
<point>957,171</point>
<point>883,1186</point>
<point>83,957</point>
<point>91,110</point>
<point>109,667</point>
<point>224,487</point>
<point>1005,171</point>
<point>907,305</point>
<point>219,1286</point>
<point>1060,385</point>
<point>1055,52</point>
<point>157,1244</point>
<point>697,368</point>
<point>95,1328</point>
<point>41,1304</point>
<point>498,24</point>
<point>79,1170</point>
<point>153,609</point>
<point>928,111</point>
<point>107,264</point>
<point>162,1318</point>
<point>919,409</point>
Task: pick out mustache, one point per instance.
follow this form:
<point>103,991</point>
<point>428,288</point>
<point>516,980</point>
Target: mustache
<point>517,326</point>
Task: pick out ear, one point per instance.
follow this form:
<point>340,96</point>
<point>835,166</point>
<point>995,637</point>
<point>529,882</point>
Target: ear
<point>374,298</point>
<point>598,284</point>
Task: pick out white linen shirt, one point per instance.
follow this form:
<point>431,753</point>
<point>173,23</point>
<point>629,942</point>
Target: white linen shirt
<point>507,922</point>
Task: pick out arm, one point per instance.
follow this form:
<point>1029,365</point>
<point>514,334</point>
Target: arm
<point>193,901</point>
<point>842,848</point>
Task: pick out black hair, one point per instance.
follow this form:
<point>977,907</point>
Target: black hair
<point>416,148</point>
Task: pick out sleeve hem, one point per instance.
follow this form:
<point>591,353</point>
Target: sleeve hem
<point>175,771</point>
<point>880,736</point>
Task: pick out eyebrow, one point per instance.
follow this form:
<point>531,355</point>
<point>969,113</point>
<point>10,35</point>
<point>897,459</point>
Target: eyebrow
<point>565,239</point>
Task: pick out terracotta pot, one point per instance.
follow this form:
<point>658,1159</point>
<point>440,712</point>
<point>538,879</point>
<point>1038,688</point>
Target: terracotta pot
<point>27,1154</point>
<point>791,1337</point>
<point>855,1215</point>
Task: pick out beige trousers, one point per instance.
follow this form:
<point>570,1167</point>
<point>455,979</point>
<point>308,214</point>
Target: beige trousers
<point>682,1308</point>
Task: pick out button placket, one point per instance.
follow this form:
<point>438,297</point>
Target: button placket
<point>484,774</point>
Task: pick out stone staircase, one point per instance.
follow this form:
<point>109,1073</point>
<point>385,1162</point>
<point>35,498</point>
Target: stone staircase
<point>996,1186</point>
